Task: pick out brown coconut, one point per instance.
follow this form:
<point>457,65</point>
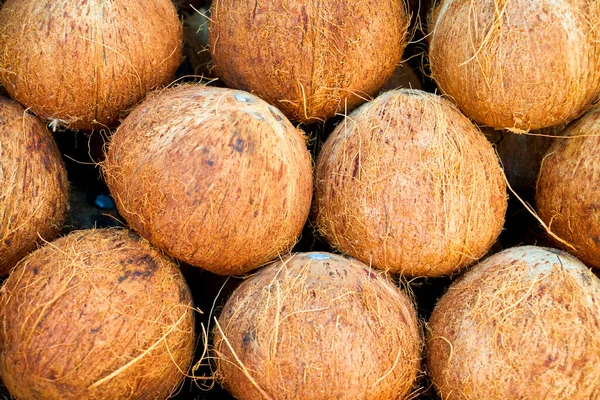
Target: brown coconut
<point>517,64</point>
<point>33,184</point>
<point>318,326</point>
<point>215,177</point>
<point>82,64</point>
<point>567,196</point>
<point>523,324</point>
<point>522,154</point>
<point>408,184</point>
<point>312,59</point>
<point>98,314</point>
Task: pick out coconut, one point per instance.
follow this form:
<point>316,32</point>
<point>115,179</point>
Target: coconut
<point>517,64</point>
<point>521,325</point>
<point>97,314</point>
<point>318,326</point>
<point>82,64</point>
<point>312,59</point>
<point>522,154</point>
<point>567,198</point>
<point>215,177</point>
<point>408,184</point>
<point>33,184</point>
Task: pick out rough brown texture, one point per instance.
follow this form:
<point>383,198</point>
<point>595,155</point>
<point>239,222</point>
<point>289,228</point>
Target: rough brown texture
<point>318,326</point>
<point>98,314</point>
<point>408,184</point>
<point>567,196</point>
<point>310,58</point>
<point>83,63</point>
<point>517,64</point>
<point>522,154</point>
<point>523,324</point>
<point>33,184</point>
<point>214,177</point>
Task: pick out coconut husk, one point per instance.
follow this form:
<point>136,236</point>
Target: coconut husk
<point>318,326</point>
<point>215,177</point>
<point>567,197</point>
<point>97,314</point>
<point>83,64</point>
<point>33,184</point>
<point>521,325</point>
<point>408,184</point>
<point>517,64</point>
<point>311,59</point>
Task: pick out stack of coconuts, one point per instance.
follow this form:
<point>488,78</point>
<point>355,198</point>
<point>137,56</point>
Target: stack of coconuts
<point>399,188</point>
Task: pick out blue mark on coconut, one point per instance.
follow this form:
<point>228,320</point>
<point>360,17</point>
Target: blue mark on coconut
<point>318,256</point>
<point>242,97</point>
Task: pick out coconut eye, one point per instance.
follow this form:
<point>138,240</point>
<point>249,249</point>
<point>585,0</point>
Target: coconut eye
<point>241,98</point>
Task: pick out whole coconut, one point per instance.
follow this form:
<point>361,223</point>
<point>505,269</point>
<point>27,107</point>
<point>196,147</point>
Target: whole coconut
<point>567,196</point>
<point>318,326</point>
<point>408,184</point>
<point>82,64</point>
<point>215,177</point>
<point>522,154</point>
<point>310,58</point>
<point>517,64</point>
<point>98,314</point>
<point>521,325</point>
<point>33,184</point>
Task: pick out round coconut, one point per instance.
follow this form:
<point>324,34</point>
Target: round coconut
<point>567,196</point>
<point>517,64</point>
<point>97,314</point>
<point>318,326</point>
<point>82,64</point>
<point>310,58</point>
<point>522,154</point>
<point>215,177</point>
<point>33,184</point>
<point>521,325</point>
<point>408,184</point>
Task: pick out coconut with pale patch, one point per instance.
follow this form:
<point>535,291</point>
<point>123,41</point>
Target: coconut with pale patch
<point>83,64</point>
<point>517,64</point>
<point>567,197</point>
<point>311,59</point>
<point>522,154</point>
<point>33,184</point>
<point>215,177</point>
<point>408,184</point>
<point>318,326</point>
<point>97,314</point>
<point>521,325</point>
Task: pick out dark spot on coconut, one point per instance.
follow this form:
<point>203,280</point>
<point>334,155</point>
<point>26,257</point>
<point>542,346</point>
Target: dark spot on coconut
<point>248,337</point>
<point>370,274</point>
<point>313,294</point>
<point>255,213</point>
<point>7,242</point>
<point>36,271</point>
<point>549,360</point>
<point>209,163</point>
<point>356,165</point>
<point>238,145</point>
<point>95,330</point>
<point>596,240</point>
